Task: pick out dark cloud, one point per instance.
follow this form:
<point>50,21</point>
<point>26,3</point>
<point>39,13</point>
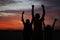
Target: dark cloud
<point>53,2</point>
<point>5,2</point>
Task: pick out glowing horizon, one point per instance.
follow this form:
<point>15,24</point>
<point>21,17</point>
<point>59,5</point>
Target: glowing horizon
<point>11,10</point>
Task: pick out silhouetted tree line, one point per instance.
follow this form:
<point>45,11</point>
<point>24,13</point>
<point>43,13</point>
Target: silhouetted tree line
<point>37,21</point>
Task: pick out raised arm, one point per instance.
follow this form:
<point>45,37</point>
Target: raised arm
<point>32,14</point>
<point>22,17</point>
<point>32,11</point>
<point>43,12</point>
<point>54,23</point>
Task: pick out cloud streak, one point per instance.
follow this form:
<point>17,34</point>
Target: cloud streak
<point>10,14</point>
<point>18,4</point>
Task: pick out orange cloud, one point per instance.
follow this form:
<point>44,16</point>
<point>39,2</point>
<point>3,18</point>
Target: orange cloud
<point>14,22</point>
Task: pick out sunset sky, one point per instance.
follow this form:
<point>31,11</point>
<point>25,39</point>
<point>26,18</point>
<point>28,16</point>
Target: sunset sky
<point>11,10</point>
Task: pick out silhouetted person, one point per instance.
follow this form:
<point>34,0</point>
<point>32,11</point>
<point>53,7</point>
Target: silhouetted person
<point>49,31</point>
<point>38,34</point>
<point>27,28</point>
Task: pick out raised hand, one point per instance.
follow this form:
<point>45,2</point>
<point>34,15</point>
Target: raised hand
<point>55,19</point>
<point>42,6</point>
<point>32,5</point>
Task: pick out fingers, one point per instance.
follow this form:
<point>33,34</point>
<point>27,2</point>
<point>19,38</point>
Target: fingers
<point>32,5</point>
<point>55,19</point>
<point>42,6</point>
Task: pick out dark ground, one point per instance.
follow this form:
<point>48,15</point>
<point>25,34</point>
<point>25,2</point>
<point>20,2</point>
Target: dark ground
<point>18,35</point>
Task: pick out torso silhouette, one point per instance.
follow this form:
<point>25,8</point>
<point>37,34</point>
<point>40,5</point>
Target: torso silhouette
<point>38,34</point>
<point>38,25</point>
<point>27,27</point>
<point>48,32</point>
<point>48,28</point>
<point>27,31</point>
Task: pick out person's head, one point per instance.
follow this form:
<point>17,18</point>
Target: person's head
<point>27,21</point>
<point>37,16</point>
<point>48,26</point>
